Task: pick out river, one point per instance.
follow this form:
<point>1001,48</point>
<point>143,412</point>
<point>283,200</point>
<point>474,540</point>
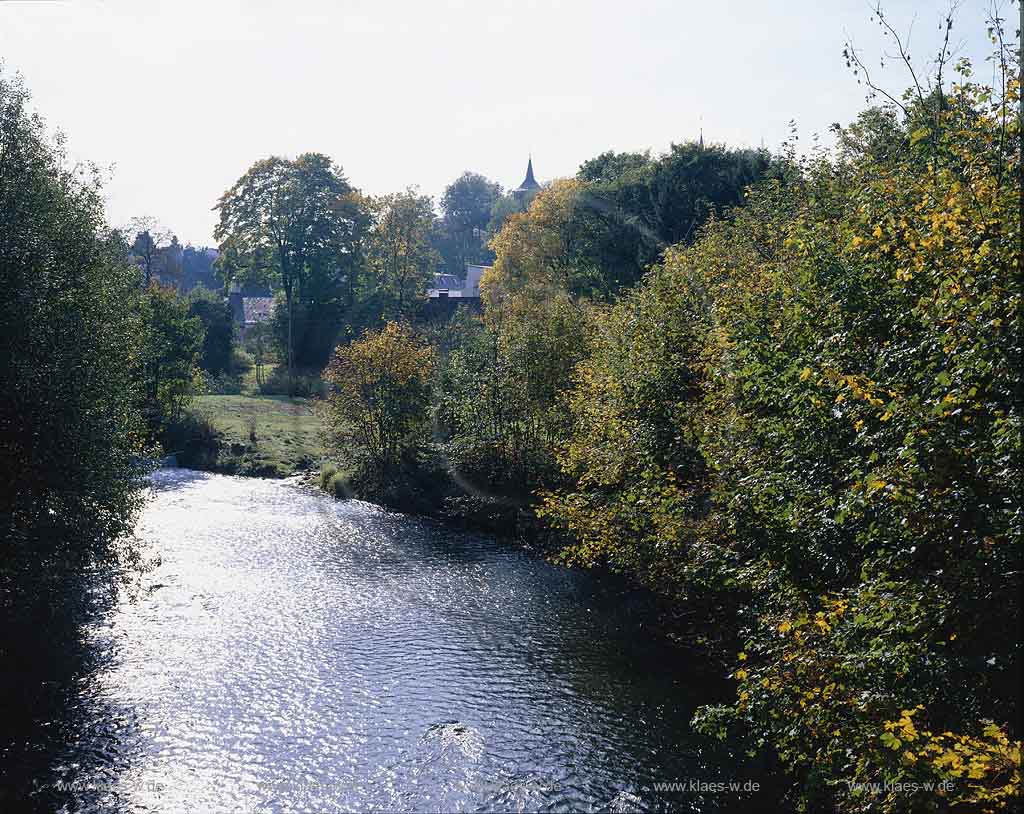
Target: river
<point>295,653</point>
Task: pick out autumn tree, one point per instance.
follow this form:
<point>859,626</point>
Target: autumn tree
<point>807,423</point>
<point>540,248</point>
<point>379,408</point>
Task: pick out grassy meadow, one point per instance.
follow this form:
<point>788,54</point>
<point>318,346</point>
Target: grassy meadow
<point>269,436</point>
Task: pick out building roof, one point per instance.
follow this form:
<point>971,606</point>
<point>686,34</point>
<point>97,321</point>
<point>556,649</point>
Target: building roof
<point>256,309</point>
<point>529,182</point>
<point>468,288</point>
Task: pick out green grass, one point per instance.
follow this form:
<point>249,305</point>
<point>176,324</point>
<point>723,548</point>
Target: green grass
<point>287,434</point>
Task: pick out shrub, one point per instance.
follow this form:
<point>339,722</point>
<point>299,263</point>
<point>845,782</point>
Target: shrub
<point>300,385</point>
<point>241,361</point>
<point>812,416</point>
<point>378,412</point>
<point>327,472</point>
<point>224,384</point>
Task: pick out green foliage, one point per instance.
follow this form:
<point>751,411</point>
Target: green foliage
<point>169,362</point>
<point>640,484</point>
<point>327,473</point>
<point>811,416</point>
<point>335,482</point>
<point>378,410</point>
<point>500,409</point>
<point>70,432</point>
<point>501,210</point>
<point>597,233</point>
<point>301,384</point>
<point>299,225</point>
<point>631,206</point>
<point>401,259</point>
<point>218,330</point>
<point>466,208</point>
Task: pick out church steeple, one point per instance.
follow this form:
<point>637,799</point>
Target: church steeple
<point>529,185</point>
<point>529,182</point>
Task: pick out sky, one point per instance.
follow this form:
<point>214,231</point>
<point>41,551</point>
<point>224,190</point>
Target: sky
<point>179,98</point>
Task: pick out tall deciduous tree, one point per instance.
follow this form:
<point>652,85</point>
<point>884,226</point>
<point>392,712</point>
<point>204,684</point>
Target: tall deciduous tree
<point>400,254</point>
<point>282,217</point>
<point>466,210</point>
<point>149,242</point>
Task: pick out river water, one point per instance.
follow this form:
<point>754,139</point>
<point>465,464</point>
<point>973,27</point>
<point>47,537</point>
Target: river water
<point>295,653</point>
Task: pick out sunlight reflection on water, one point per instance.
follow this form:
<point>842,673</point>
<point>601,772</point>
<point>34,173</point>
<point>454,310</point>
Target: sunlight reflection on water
<point>294,653</point>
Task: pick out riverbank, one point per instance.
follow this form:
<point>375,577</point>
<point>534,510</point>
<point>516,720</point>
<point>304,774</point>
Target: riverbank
<point>264,436</point>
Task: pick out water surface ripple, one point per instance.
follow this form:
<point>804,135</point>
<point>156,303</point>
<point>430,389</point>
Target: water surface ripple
<point>296,654</point>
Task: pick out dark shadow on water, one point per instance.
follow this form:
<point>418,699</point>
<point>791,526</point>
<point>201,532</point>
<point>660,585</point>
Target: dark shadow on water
<point>50,659</point>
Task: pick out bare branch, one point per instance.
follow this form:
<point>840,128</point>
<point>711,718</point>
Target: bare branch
<point>903,51</point>
<point>853,60</point>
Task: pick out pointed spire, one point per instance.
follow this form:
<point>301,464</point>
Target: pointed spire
<point>529,182</point>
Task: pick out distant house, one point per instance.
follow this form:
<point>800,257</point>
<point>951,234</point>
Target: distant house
<point>448,286</point>
<point>250,306</point>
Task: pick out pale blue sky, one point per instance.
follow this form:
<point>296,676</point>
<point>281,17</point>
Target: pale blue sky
<point>183,96</point>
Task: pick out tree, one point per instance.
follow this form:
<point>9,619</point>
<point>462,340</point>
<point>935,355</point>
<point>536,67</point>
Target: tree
<point>218,330</point>
<point>503,208</point>
<point>631,207</point>
<point>284,216</point>
<point>500,407</point>
<point>378,412</point>
<point>70,430</point>
<point>541,248</point>
<point>197,268</point>
<point>466,211</point>
<point>149,241</point>
<point>808,421</point>
<point>611,167</point>
<point>172,348</point>
<point>399,254</point>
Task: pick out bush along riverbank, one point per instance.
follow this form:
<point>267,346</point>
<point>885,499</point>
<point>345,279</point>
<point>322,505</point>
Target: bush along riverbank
<point>428,488</point>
